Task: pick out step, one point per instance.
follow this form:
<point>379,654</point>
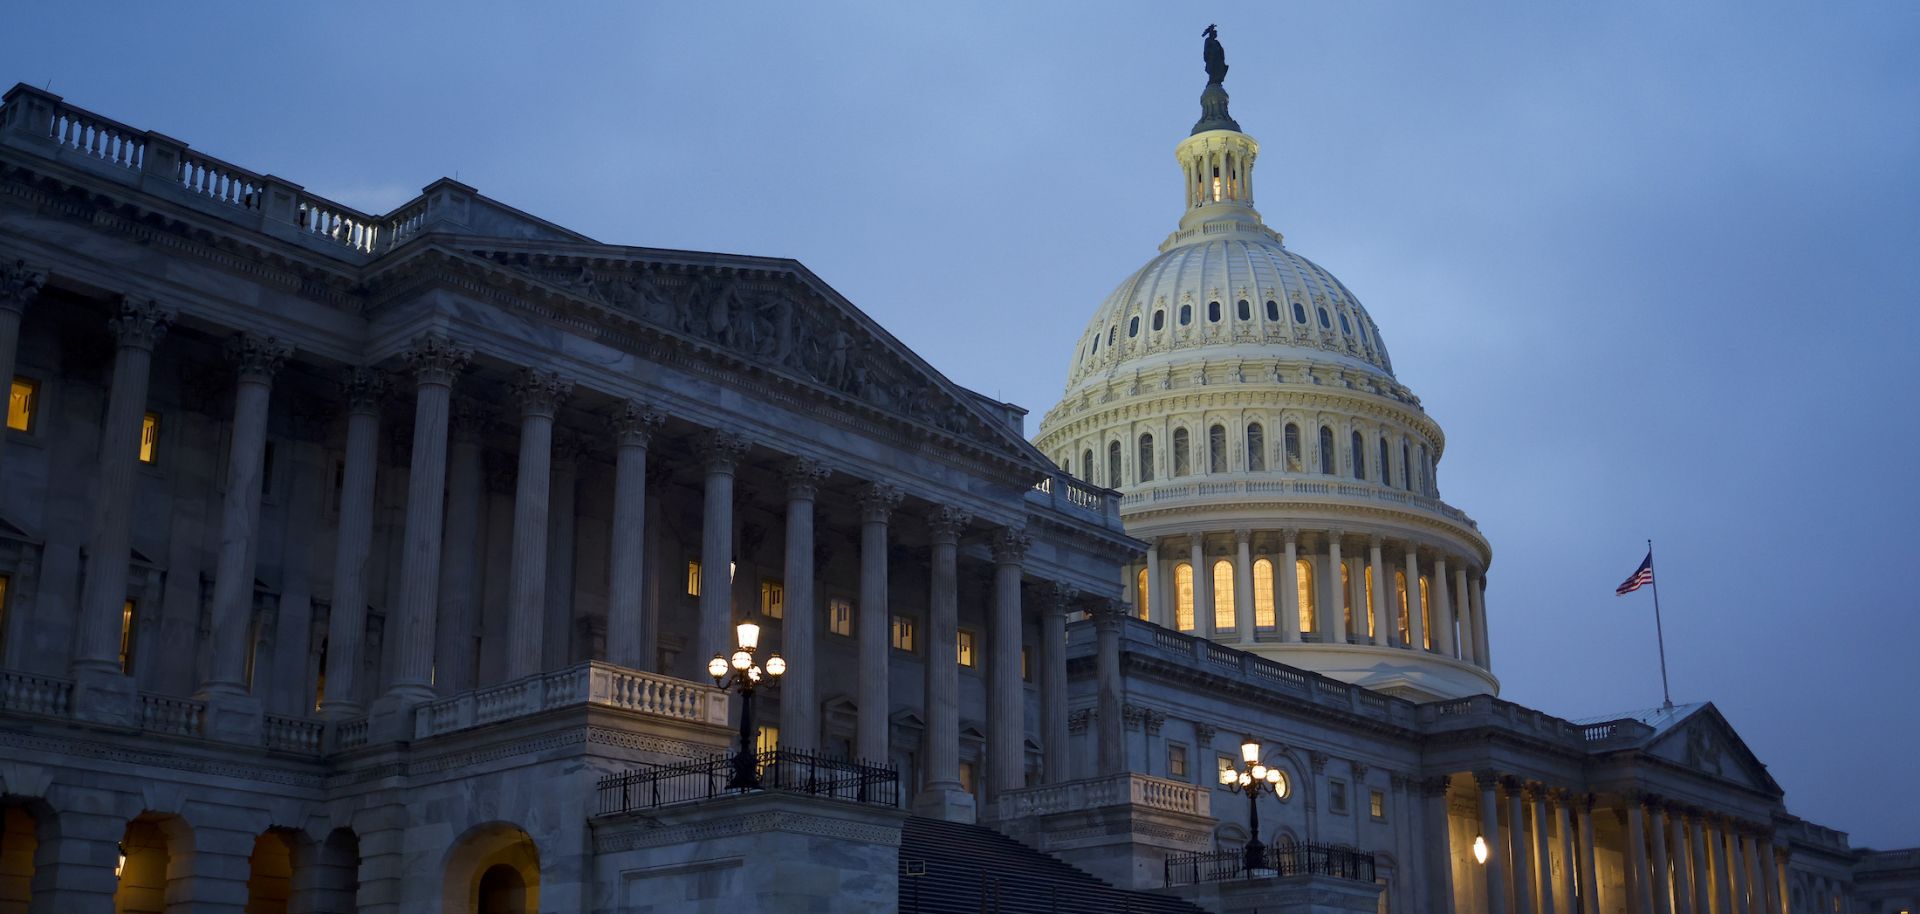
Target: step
<point>971,869</point>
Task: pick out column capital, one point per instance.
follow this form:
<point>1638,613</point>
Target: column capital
<point>877,501</point>
<point>20,284</point>
<point>434,359</point>
<point>945,523</point>
<point>1057,598</point>
<point>1107,612</point>
<point>1487,778</point>
<point>1242,537</point>
<point>1009,545</point>
<point>1376,541</point>
<point>1435,786</point>
<point>804,476</point>
<point>633,423</point>
<point>1290,536</point>
<point>466,421</point>
<point>140,326</point>
<point>539,393</point>
<point>720,450</point>
<point>257,358</point>
<point>1333,536</point>
<point>363,388</point>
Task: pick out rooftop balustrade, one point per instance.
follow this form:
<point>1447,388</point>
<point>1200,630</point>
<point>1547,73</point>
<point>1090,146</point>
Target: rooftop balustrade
<point>1068,495</point>
<point>1236,491</point>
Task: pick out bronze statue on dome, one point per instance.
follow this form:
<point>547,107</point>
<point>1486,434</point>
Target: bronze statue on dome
<point>1216,57</point>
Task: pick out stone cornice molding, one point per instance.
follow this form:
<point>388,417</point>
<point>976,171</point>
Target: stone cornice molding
<point>140,325</point>
<point>435,360</point>
<point>633,423</point>
<point>257,358</point>
<point>19,285</point>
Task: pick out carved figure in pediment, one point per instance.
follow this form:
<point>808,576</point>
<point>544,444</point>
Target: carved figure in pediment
<point>769,324</point>
<point>640,295</point>
<point>583,284</point>
<point>838,352</point>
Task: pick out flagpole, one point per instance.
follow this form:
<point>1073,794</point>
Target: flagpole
<point>1659,631</point>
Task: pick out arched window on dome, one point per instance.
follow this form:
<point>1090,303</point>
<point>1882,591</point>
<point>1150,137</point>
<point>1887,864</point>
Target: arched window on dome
<point>1223,620</point>
<point>1113,336</point>
<point>1182,460</point>
<point>1213,312</point>
<point>1217,449</point>
<point>1273,311</point>
<point>1096,345</point>
<point>1263,593</point>
<point>1326,451</point>
<point>1186,315</point>
<point>1303,584</point>
<point>1400,604</point>
<point>1133,327</point>
<point>1244,310</point>
<point>1345,327</point>
<point>1141,595</point>
<point>1183,597</point>
<point>1386,463</point>
<point>1160,319</point>
<point>1325,324</point>
<point>1406,468</point>
<point>1086,465</point>
<point>1359,448</point>
<point>1426,612</point>
<point>1145,469</point>
<point>1113,465</point>
<point>1256,448</point>
<point>1426,472</point>
<point>1299,313</point>
<point>1291,442</point>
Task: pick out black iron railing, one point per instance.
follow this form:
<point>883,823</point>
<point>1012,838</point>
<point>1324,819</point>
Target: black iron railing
<point>1284,860</point>
<point>783,770</point>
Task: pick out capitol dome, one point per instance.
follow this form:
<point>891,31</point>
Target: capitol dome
<point>1243,403</point>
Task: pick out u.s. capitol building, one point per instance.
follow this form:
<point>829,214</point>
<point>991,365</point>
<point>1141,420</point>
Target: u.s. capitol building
<point>375,562</point>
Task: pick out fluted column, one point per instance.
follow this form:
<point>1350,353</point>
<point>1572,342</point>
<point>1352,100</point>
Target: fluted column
<point>1442,609</point>
<point>1439,842</point>
<point>1770,862</point>
<point>1110,738</point>
<point>1006,709</point>
<point>1589,877</point>
<point>1750,871</point>
<point>347,619</point>
<point>435,363</point>
<point>632,635</point>
<point>799,704</point>
<point>96,664</point>
<point>1682,860</point>
<point>1638,884</point>
<point>19,285</point>
<point>1498,855</point>
<point>1736,880</point>
<point>1290,590</point>
<point>558,629</point>
<point>1662,881</point>
<point>1383,627</point>
<point>1702,881</point>
<point>454,654</point>
<point>1481,655</point>
<point>1156,594</point>
<point>1332,620</point>
<point>540,395</point>
<point>1542,852</point>
<point>942,796</point>
<point>1243,586</point>
<point>1416,619</point>
<point>1202,585</point>
<point>720,452</point>
<point>1562,826</point>
<point>1521,839</point>
<point>1056,598</point>
<point>877,501</point>
<point>1462,609</point>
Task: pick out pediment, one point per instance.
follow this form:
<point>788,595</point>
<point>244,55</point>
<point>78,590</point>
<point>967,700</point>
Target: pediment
<point>1706,743</point>
<point>779,316</point>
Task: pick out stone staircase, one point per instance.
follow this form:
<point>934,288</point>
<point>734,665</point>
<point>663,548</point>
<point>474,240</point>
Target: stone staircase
<point>949,868</point>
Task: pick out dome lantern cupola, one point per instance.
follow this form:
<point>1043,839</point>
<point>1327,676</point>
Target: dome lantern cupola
<point>1216,162</point>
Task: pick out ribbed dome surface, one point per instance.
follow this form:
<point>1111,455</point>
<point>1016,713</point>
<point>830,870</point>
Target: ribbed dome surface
<point>1241,297</point>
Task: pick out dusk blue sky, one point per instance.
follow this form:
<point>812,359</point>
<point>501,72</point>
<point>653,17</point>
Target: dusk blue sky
<point>1651,265</point>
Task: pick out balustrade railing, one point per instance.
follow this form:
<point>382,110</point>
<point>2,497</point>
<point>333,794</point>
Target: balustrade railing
<point>1278,861</point>
<point>293,734</point>
<point>1103,791</point>
<point>97,137</point>
<point>1063,491</point>
<point>351,734</point>
<point>323,218</point>
<point>178,716</point>
<point>781,770</point>
<point>25,693</point>
<point>221,182</point>
<point>592,683</point>
<point>1160,493</point>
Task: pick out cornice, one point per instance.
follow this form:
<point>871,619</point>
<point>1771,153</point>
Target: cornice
<point>1102,419</point>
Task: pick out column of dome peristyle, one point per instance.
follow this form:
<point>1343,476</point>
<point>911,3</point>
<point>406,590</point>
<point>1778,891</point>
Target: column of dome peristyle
<point>1217,171</point>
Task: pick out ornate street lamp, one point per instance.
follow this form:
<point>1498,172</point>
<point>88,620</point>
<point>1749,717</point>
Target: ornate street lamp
<point>1254,778</point>
<point>740,672</point>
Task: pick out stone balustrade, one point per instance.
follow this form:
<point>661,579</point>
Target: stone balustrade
<point>294,734</point>
<point>1202,490</point>
<point>1064,493</point>
<point>25,693</point>
<point>1107,790</point>
<point>176,716</point>
<point>589,683</point>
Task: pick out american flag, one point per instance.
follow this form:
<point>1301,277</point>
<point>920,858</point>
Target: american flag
<point>1641,577</point>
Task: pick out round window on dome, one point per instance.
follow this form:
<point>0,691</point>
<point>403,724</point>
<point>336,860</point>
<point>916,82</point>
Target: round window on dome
<point>1245,310</point>
<point>1133,327</point>
<point>1213,311</point>
<point>1299,313</point>
<point>1159,320</point>
<point>1273,310</point>
<point>1325,324</point>
<point>1186,315</point>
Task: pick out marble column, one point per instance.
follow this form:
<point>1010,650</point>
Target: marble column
<point>1481,655</point>
<point>1053,680</point>
<point>435,363</point>
<point>1589,875</point>
<point>1662,881</point>
<point>101,691</point>
<point>18,286</point>
<point>1639,884</point>
<point>1202,586</point>
<point>632,634</point>
<point>1736,880</point>
<point>1750,872</point>
<point>1496,888</point>
<point>558,629</point>
<point>1383,627</point>
<point>1156,595</point>
<point>1416,616</point>
<point>1682,860</point>
<point>347,618</point>
<point>539,394</point>
<point>1520,837</point>
<point>1290,588</point>
<point>1439,842</point>
<point>1110,738</point>
<point>1710,894</point>
<point>720,452</point>
<point>1464,612</point>
<point>1542,852</point>
<point>1243,586</point>
<point>456,648</point>
<point>1006,706</point>
<point>1562,827</point>
<point>1332,621</point>
<point>877,501</point>
<point>1442,609</point>
<point>799,701</point>
<point>1770,861</point>
<point>1699,881</point>
<point>941,796</point>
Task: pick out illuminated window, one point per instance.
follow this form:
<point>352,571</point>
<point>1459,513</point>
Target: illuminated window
<point>964,645</point>
<point>693,577</point>
<point>1026,663</point>
<point>1263,593</point>
<point>1217,449</point>
<point>840,616</point>
<point>1376,804</point>
<point>1346,591</point>
<point>1303,578</point>
<point>1145,468</point>
<point>1176,761</point>
<point>767,739</point>
<point>1426,612</point>
<point>966,776</point>
<point>1223,596</point>
<point>1183,597</point>
<point>23,403</point>
<point>150,438</point>
<point>1368,608</point>
<point>902,634</point>
<point>1223,763</point>
<point>1141,593</point>
<point>1182,464</point>
<point>1256,448</point>
<point>1400,598</point>
<point>773,600</point>
<point>1326,451</point>
<point>126,637</point>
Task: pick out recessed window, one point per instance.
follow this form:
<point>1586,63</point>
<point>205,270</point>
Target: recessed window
<point>1186,315</point>
<point>1376,804</point>
<point>1133,327</point>
<point>1324,323</point>
<point>1086,464</point>
<point>1141,594</point>
<point>1337,796</point>
<point>840,616</point>
<point>1299,313</point>
<point>1223,618</point>
<point>1113,464</point>
<point>1326,451</point>
<point>693,577</point>
<point>1359,450</point>
<point>1223,763</point>
<point>902,634</point>
<point>150,438</point>
<point>1176,761</point>
<point>1292,441</point>
<point>766,739</point>
<point>1182,462</point>
<point>1263,593</point>
<point>966,776</point>
<point>1113,334</point>
<point>1273,310</point>
<point>23,404</point>
<point>1159,320</point>
<point>1145,468</point>
<point>965,647</point>
<point>1345,327</point>
<point>773,600</point>
<point>127,632</point>
<point>1217,449</point>
<point>1213,311</point>
<point>1304,593</point>
<point>1026,663</point>
<point>1244,310</point>
<point>1096,344</point>
<point>1256,448</point>
<point>1183,597</point>
<point>1386,464</point>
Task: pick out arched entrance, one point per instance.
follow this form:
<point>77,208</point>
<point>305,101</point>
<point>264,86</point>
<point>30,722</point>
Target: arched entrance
<point>493,869</point>
<point>19,839</point>
<point>270,873</point>
<point>502,891</point>
<point>148,861</point>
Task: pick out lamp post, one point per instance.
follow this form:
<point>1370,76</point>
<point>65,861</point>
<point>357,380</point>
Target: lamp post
<point>740,672</point>
<point>1254,778</point>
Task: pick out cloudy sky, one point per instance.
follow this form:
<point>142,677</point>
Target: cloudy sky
<point>1651,265</point>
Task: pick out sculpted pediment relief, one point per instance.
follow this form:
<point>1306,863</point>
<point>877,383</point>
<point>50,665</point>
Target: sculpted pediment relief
<point>1707,744</point>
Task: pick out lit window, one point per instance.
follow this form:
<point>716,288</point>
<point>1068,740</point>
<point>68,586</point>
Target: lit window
<point>1223,596</point>
<point>1368,608</point>
<point>1346,590</point>
<point>1244,310</point>
<point>1400,596</point>
<point>902,634</point>
<point>767,739</point>
<point>966,776</point>
<point>773,600</point>
<point>1426,612</point>
<point>1303,577</point>
<point>1183,597</point>
<point>23,401</point>
<point>1141,593</point>
<point>1263,593</point>
<point>1337,796</point>
<point>840,616</point>
<point>126,637</point>
<point>1176,761</point>
<point>150,438</point>
<point>1376,804</point>
<point>693,577</point>
<point>964,643</point>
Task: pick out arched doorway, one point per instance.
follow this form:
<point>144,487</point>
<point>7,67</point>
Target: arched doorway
<point>270,873</point>
<point>19,839</point>
<point>147,862</point>
<point>502,891</point>
<point>493,868</point>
